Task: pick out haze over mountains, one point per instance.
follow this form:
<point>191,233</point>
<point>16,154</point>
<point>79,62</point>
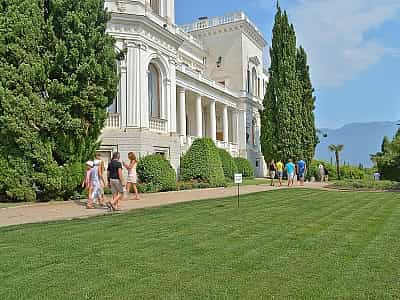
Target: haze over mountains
<point>359,140</point>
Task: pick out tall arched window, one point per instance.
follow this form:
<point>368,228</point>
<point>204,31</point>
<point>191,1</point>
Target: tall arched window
<point>253,131</point>
<point>254,81</point>
<point>154,82</point>
<point>155,6</point>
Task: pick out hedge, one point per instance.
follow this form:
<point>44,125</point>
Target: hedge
<point>228,163</point>
<point>346,172</point>
<point>244,166</point>
<point>202,163</point>
<point>156,174</point>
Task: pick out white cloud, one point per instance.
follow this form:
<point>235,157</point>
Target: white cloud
<point>334,33</point>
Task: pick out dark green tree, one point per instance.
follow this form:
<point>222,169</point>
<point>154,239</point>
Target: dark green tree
<point>58,74</point>
<point>309,133</point>
<point>282,126</point>
<point>388,160</point>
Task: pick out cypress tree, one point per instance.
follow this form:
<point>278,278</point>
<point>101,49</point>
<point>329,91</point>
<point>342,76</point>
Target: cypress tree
<point>309,133</point>
<point>282,127</point>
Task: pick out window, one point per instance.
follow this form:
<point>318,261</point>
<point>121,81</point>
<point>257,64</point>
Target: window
<point>254,81</point>
<point>155,6</point>
<point>154,82</point>
<point>248,81</point>
<point>253,131</point>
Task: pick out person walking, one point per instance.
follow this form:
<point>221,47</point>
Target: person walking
<point>131,181</point>
<point>321,172</point>
<point>301,171</point>
<point>86,184</point>
<point>272,171</point>
<point>114,175</point>
<point>290,169</point>
<point>279,170</point>
<point>97,183</point>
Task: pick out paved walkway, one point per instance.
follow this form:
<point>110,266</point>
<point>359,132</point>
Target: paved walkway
<point>43,212</point>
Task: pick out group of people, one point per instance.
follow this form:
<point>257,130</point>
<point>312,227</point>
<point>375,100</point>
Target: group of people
<point>293,171</point>
<point>94,181</point>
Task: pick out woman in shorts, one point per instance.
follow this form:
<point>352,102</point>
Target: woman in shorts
<point>131,181</point>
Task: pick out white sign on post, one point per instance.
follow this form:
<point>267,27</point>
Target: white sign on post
<point>238,178</point>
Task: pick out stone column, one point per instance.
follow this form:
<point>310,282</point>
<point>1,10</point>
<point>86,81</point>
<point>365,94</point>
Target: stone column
<point>242,123</point>
<point>182,111</point>
<point>123,100</point>
<point>133,85</point>
<point>213,121</point>
<point>235,121</point>
<point>199,117</point>
<point>225,123</point>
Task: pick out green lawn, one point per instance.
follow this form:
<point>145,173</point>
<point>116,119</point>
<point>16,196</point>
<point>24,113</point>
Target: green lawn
<point>285,244</point>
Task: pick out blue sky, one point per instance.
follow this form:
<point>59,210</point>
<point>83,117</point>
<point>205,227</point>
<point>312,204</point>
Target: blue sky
<point>353,48</point>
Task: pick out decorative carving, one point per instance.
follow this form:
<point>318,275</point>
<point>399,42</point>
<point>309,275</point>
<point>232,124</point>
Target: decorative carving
<point>254,60</point>
<point>121,6</point>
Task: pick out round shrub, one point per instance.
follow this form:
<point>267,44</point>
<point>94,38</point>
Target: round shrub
<point>244,166</point>
<point>228,163</point>
<point>156,172</point>
<point>202,163</point>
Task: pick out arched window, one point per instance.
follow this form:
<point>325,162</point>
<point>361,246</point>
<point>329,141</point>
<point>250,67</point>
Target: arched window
<point>154,82</point>
<point>155,6</point>
<point>254,81</point>
<point>253,131</point>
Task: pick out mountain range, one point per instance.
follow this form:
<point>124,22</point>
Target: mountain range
<point>359,140</point>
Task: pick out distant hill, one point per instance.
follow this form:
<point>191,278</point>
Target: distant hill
<point>359,140</point>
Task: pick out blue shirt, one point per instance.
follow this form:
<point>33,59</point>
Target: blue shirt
<point>302,166</point>
<point>290,168</point>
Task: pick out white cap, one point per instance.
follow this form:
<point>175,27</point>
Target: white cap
<point>89,163</point>
<point>97,162</point>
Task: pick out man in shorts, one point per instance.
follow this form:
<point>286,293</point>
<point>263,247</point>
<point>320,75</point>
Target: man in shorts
<point>290,169</point>
<point>279,171</point>
<point>301,170</point>
<point>114,175</point>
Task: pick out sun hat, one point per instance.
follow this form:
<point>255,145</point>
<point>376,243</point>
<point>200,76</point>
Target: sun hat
<point>89,163</point>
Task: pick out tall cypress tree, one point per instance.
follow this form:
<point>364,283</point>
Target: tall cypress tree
<point>309,133</point>
<point>282,124</point>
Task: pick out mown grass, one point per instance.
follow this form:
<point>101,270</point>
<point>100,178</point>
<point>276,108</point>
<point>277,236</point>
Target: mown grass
<point>285,244</point>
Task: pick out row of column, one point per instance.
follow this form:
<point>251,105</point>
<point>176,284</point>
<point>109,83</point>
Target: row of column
<point>199,117</point>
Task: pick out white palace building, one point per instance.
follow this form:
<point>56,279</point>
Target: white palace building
<point>179,83</point>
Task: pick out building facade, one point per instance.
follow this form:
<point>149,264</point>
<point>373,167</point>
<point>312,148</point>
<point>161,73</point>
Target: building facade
<point>179,83</point>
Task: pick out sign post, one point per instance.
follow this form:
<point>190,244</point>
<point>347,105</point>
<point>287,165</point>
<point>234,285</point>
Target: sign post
<point>238,181</point>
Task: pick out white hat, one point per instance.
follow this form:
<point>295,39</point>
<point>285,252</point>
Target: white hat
<point>89,163</point>
<point>97,162</point>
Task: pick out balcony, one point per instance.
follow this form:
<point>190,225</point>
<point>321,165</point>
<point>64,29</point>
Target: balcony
<point>113,120</point>
<point>229,18</point>
<point>158,124</point>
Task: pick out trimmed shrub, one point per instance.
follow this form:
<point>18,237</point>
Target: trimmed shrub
<point>244,166</point>
<point>156,174</point>
<point>202,163</point>
<point>228,163</point>
<point>352,172</point>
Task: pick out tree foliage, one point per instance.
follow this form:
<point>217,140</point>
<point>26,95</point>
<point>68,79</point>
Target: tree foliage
<point>58,76</point>
<point>336,149</point>
<point>388,160</point>
<point>288,129</point>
